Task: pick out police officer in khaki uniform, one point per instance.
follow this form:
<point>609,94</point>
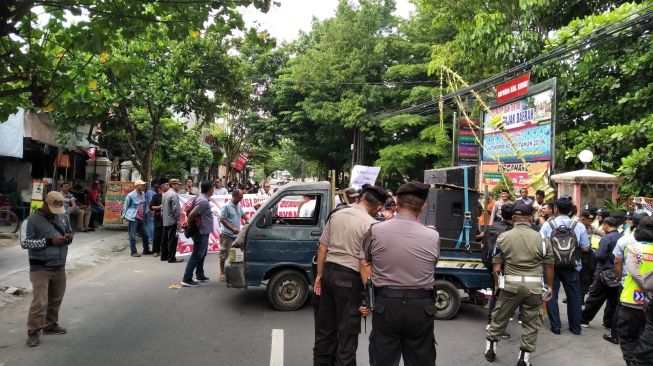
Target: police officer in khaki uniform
<point>338,281</point>
<point>400,256</point>
<point>520,258</point>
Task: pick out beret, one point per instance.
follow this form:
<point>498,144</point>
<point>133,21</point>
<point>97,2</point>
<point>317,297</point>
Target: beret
<point>417,189</point>
<point>377,192</point>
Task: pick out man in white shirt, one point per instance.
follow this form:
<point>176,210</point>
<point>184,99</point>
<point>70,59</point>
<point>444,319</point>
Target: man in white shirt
<point>218,189</point>
<point>308,208</point>
<point>266,190</point>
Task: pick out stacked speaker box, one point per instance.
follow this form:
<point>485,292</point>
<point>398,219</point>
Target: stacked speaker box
<point>445,211</point>
<point>453,176</point>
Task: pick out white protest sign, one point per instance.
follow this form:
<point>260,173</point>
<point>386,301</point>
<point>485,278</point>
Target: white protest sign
<point>361,174</point>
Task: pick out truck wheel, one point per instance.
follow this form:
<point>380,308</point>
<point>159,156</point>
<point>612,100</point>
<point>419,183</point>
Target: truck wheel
<point>447,300</point>
<point>288,290</point>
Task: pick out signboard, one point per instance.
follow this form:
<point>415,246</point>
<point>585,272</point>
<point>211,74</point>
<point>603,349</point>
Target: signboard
<point>513,89</point>
<point>114,201</point>
<point>37,195</point>
<point>361,175</point>
<point>467,144</point>
<point>516,172</point>
<point>528,127</point>
<point>286,208</point>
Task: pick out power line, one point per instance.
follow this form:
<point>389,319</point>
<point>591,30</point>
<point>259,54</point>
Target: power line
<point>596,38</point>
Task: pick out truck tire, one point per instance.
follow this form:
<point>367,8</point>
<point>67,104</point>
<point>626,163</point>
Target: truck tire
<point>288,290</point>
<point>447,300</point>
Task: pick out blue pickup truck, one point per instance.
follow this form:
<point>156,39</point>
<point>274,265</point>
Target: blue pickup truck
<point>277,251</point>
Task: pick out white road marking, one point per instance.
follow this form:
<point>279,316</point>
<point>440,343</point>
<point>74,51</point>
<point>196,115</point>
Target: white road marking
<point>276,351</point>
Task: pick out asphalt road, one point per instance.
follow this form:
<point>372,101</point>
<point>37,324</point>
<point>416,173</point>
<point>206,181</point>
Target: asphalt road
<point>122,312</point>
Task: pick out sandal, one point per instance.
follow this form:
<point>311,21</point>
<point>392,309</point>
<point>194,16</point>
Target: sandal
<point>223,278</point>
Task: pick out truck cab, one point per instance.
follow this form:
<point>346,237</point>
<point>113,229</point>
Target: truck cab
<point>280,243</point>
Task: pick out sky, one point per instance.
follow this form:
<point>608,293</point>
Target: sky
<point>285,22</point>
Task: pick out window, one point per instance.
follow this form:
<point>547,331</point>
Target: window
<point>297,210</point>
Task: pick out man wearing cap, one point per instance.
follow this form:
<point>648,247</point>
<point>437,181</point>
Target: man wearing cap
<point>351,195</point>
<point>399,256</point>
<point>504,198</point>
<point>46,234</point>
<point>338,280</point>
<point>133,211</point>
<point>521,258</point>
<point>170,213</point>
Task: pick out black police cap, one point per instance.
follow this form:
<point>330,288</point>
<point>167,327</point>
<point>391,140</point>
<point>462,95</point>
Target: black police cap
<point>377,192</point>
<point>522,209</point>
<point>417,189</point>
<point>587,214</point>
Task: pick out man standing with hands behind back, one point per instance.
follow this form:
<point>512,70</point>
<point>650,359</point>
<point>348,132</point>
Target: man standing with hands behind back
<point>46,234</point>
<point>338,281</point>
<point>400,256</point>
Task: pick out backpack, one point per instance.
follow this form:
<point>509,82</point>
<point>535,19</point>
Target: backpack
<point>564,244</point>
<point>490,240</point>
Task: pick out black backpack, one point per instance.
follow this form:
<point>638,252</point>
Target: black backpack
<point>564,244</point>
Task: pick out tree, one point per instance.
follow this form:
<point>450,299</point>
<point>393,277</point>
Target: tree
<point>45,51</point>
<point>129,94</point>
<point>332,80</point>
<point>605,100</point>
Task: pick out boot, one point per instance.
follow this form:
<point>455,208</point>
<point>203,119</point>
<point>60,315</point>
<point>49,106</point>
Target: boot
<point>524,358</point>
<point>490,350</point>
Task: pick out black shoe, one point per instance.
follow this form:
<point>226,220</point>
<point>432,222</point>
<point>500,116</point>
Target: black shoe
<point>202,278</point>
<point>33,339</point>
<point>54,329</point>
<point>490,355</point>
<point>523,363</point>
<point>176,260</point>
<point>190,283</point>
<point>608,337</point>
<point>505,335</point>
<point>135,255</point>
<point>555,331</point>
<point>147,252</point>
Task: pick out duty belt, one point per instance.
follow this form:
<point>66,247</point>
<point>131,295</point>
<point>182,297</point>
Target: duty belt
<point>512,278</point>
<point>403,293</point>
<point>340,268</point>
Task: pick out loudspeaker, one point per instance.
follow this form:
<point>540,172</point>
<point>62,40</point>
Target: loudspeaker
<point>453,176</point>
<point>445,210</point>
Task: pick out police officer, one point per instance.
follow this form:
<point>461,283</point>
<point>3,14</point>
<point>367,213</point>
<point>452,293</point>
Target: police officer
<point>338,280</point>
<point>400,256</point>
<point>636,339</point>
<point>520,257</point>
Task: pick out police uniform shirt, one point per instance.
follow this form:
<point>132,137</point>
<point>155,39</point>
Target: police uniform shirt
<point>343,235</point>
<point>520,250</point>
<point>403,253</point>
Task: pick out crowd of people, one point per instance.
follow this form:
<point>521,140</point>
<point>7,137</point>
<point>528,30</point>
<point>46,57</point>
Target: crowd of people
<point>373,240</point>
<point>599,257</point>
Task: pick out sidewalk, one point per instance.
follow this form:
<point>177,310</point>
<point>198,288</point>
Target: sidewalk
<point>87,249</point>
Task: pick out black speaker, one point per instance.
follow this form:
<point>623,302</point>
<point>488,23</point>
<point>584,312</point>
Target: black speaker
<point>445,211</point>
<point>453,176</point>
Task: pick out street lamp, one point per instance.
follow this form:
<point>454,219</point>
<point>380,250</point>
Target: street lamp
<point>586,157</point>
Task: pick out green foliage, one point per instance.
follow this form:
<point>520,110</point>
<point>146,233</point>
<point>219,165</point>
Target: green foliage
<point>605,101</point>
<point>45,52</point>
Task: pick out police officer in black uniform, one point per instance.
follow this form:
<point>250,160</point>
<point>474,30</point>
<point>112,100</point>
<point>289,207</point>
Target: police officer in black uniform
<point>400,256</point>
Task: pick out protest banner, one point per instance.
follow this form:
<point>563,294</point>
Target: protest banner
<point>361,175</point>
<point>285,208</point>
<point>114,202</point>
